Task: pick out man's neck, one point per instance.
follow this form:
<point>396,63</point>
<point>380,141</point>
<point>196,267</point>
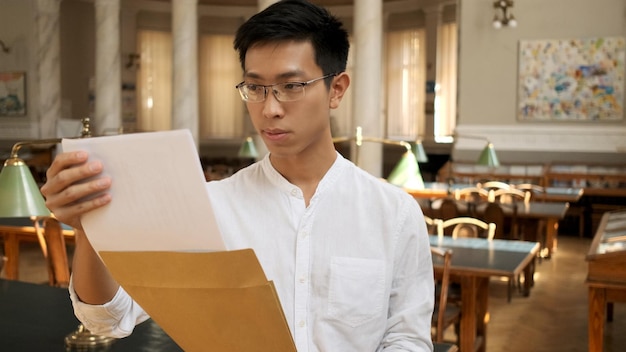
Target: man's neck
<point>306,172</point>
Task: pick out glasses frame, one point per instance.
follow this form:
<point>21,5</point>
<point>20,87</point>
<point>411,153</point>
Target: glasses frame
<point>240,86</point>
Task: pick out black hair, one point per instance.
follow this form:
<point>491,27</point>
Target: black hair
<point>300,21</point>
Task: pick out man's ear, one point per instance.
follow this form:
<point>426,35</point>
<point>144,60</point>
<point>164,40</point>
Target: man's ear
<point>338,88</point>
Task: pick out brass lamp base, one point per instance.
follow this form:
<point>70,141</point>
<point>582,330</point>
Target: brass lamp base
<point>82,340</point>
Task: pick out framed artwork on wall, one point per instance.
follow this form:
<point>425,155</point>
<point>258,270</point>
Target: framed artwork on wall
<point>571,79</point>
<point>12,94</point>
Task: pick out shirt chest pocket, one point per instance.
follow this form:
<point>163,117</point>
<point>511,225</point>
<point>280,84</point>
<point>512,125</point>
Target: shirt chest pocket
<point>356,289</point>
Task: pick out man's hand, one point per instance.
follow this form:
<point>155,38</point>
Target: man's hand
<point>74,187</point>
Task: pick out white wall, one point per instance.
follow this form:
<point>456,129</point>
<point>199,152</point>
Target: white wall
<point>488,80</point>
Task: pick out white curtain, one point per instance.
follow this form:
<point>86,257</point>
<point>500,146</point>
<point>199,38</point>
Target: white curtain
<point>405,83</point>
<point>154,81</point>
<point>445,93</point>
<point>222,111</point>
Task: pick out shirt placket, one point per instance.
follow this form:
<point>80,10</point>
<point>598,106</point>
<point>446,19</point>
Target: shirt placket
<point>301,284</point>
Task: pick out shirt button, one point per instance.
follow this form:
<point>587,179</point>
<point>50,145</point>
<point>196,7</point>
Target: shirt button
<point>302,279</point>
<point>294,192</point>
<point>305,234</point>
<point>301,323</point>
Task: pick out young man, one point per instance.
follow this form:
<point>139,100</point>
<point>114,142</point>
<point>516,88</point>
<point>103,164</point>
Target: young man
<point>349,255</point>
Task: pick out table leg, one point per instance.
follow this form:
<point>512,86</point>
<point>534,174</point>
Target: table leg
<point>552,228</point>
<point>529,278</point>
<point>468,313</point>
<point>474,302</point>
<point>482,310</point>
<point>12,253</point>
<point>597,304</point>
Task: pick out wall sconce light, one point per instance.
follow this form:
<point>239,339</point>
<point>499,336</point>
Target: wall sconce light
<point>503,15</point>
<point>4,47</point>
<point>247,150</point>
<point>406,172</point>
<point>488,156</point>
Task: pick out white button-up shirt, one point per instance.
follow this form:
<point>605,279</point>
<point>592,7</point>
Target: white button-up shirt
<point>352,270</point>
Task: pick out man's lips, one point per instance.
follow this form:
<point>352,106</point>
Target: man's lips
<point>275,134</point>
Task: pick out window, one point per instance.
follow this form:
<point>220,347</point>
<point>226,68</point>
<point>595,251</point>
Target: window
<point>405,84</point>
<point>445,92</point>
<point>154,81</point>
<point>221,109</point>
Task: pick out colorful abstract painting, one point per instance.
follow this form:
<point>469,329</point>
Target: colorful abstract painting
<point>571,80</point>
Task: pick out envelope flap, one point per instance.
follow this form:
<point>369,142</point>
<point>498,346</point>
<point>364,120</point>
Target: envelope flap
<point>223,269</point>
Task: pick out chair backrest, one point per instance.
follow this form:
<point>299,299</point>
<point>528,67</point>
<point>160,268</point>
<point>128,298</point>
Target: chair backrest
<point>537,192</point>
<point>448,209</point>
<point>471,194</point>
<point>494,185</point>
<point>431,224</point>
<point>442,300</point>
<point>56,256</point>
<point>511,195</point>
<point>494,213</point>
<point>466,227</point>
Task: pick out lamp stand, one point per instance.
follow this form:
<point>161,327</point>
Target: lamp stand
<point>82,340</point>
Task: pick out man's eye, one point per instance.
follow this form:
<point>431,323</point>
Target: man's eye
<point>292,86</point>
<point>254,88</point>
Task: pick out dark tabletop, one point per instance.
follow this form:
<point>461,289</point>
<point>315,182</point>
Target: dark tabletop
<point>38,317</point>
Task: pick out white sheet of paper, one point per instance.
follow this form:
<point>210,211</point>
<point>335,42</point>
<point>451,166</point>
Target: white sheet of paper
<point>159,200</point>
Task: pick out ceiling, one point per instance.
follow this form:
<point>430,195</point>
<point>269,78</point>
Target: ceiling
<point>255,2</point>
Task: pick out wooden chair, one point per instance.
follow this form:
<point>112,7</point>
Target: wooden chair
<point>511,195</point>
<point>431,224</point>
<point>466,226</point>
<point>472,196</point>
<point>494,185</point>
<point>444,314</point>
<point>55,253</point>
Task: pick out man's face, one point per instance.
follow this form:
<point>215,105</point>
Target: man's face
<point>295,127</point>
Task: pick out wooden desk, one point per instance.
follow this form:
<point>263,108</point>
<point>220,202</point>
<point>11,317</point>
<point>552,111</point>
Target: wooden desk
<point>550,212</point>
<point>606,276</point>
<point>441,190</point>
<point>474,261</point>
<point>17,230</point>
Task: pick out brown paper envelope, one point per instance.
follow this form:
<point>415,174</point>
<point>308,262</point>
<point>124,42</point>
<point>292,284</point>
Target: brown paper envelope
<point>211,319</point>
<point>217,301</point>
<point>238,268</point>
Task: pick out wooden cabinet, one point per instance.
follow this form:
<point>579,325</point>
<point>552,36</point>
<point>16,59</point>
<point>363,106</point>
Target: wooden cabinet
<point>470,172</point>
<point>606,275</point>
<point>604,188</point>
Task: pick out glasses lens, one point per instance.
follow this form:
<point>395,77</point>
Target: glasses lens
<point>252,92</point>
<point>289,91</point>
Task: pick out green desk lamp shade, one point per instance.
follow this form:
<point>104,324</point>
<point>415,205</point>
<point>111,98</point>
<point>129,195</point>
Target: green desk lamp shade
<point>247,149</point>
<point>488,157</point>
<point>406,173</point>
<point>420,153</point>
<point>19,193</point>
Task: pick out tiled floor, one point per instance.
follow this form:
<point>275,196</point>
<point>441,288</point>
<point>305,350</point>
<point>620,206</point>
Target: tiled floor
<point>552,318</point>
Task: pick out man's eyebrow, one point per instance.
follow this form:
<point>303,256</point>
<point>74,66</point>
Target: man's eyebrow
<point>279,78</point>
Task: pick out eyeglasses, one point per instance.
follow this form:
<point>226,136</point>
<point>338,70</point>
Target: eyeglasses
<point>288,91</point>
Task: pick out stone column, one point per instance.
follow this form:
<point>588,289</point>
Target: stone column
<point>367,81</point>
<point>433,23</point>
<point>49,67</point>
<point>185,110</point>
<point>108,89</point>
<point>265,3</point>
